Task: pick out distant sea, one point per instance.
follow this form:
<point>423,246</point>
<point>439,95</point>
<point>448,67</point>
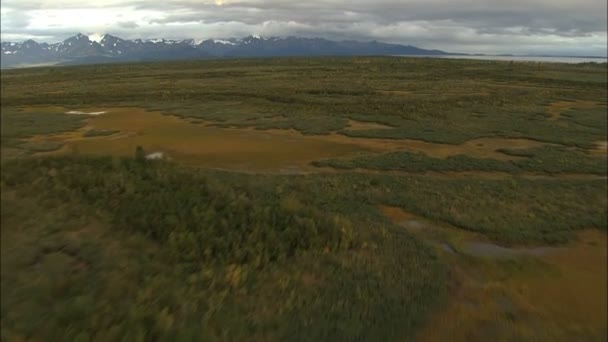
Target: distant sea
<point>573,60</point>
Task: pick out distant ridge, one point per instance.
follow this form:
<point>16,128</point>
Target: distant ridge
<point>79,49</point>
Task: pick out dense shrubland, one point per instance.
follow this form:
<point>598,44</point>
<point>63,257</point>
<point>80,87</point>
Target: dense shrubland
<point>150,250</point>
<point>417,97</point>
<point>203,220</point>
<point>547,159</point>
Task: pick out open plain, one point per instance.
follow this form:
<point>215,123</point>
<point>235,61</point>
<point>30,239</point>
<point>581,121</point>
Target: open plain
<point>333,199</point>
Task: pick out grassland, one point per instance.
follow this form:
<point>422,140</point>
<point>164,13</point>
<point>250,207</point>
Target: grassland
<point>268,218</point>
<point>318,96</point>
<point>547,159</point>
<point>99,133</point>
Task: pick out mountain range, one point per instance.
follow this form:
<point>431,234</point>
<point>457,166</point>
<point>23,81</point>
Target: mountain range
<point>79,49</point>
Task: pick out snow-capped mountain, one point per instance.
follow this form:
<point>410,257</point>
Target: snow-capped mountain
<point>78,46</point>
<point>79,49</point>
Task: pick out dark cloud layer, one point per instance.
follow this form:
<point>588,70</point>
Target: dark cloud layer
<point>518,26</point>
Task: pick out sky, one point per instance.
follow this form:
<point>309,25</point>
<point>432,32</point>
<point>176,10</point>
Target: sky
<point>565,27</point>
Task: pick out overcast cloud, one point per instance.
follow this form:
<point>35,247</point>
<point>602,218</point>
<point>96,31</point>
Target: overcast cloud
<point>575,27</point>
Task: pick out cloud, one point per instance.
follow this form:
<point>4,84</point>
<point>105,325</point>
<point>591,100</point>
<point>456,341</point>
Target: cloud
<point>16,19</point>
<point>127,24</point>
<point>515,26</point>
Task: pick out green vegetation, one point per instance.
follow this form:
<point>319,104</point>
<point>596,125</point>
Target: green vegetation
<point>99,243</point>
<point>99,132</point>
<point>174,253</point>
<point>140,154</point>
<point>588,118</point>
<point>162,241</point>
<point>40,146</point>
<point>437,100</point>
<point>512,211</point>
<point>547,159</point>
<point>18,126</point>
<point>508,211</point>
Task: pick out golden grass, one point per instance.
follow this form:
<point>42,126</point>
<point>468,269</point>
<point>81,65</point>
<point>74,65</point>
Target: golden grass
<point>197,144</point>
<point>556,296</point>
<point>601,149</point>
<point>558,107</point>
<point>357,125</point>
<point>245,149</point>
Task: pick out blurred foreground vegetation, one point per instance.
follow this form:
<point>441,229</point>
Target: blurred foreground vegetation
<point>144,250</point>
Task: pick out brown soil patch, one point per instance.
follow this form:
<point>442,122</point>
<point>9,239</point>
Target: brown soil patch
<point>556,108</point>
<point>396,214</point>
<point>362,125</point>
<point>405,219</point>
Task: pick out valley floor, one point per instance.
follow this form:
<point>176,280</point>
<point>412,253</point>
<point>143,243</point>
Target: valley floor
<point>305,198</point>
